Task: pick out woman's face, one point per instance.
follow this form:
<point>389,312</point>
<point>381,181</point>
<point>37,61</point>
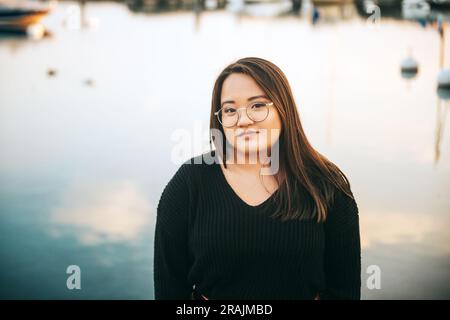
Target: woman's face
<point>246,135</point>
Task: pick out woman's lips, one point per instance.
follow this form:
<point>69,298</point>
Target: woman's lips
<point>248,134</point>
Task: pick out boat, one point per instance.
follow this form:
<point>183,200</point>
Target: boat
<point>415,9</point>
<point>20,18</point>
<point>318,3</point>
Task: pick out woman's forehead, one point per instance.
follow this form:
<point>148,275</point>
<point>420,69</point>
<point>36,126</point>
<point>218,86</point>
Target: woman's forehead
<point>240,86</point>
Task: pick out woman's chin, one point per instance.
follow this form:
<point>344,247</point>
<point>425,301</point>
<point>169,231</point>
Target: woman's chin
<point>251,150</point>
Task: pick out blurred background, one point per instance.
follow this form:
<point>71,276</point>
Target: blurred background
<point>95,95</point>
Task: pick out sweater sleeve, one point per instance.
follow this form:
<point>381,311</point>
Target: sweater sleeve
<point>342,250</point>
<point>171,259</point>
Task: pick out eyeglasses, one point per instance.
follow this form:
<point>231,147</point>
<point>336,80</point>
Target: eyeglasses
<point>228,116</point>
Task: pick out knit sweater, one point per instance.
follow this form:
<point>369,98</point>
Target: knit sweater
<point>208,238</point>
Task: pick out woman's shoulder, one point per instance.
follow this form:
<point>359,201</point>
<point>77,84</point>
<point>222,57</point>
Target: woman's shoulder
<point>191,176</point>
<point>205,159</point>
<point>199,165</point>
<point>195,170</point>
<point>184,183</point>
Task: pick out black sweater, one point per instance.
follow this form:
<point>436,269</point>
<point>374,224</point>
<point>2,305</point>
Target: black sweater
<point>208,238</point>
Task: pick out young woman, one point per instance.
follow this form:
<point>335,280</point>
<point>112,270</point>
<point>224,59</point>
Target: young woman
<point>264,215</point>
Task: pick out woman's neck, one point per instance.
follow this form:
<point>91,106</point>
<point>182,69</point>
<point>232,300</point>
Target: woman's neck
<point>250,163</point>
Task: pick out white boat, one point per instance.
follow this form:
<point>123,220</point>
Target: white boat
<point>415,9</point>
<point>260,8</point>
<point>19,17</point>
<point>319,3</point>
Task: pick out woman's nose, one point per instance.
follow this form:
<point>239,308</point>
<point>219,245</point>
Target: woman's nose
<point>243,119</point>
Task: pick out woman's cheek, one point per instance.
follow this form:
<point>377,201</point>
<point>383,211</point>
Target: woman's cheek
<point>229,136</point>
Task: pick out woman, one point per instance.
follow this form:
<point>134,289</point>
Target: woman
<point>264,215</point>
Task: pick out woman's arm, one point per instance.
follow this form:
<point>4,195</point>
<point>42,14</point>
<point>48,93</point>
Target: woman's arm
<point>342,250</point>
<point>171,259</point>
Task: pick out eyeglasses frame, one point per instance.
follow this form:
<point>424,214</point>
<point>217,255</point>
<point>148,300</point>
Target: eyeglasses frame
<point>267,104</point>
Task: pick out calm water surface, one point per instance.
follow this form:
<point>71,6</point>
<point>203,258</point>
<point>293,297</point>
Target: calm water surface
<point>85,153</point>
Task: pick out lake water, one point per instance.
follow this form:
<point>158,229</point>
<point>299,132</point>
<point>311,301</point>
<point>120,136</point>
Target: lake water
<point>89,117</point>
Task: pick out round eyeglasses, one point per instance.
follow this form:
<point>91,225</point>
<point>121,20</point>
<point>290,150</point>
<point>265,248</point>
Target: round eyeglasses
<point>228,116</point>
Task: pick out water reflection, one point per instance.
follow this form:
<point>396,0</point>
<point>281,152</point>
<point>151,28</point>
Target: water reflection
<point>87,116</point>
<point>422,232</point>
<point>443,104</point>
<point>102,212</point>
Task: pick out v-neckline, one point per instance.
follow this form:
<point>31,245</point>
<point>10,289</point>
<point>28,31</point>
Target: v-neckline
<point>234,193</point>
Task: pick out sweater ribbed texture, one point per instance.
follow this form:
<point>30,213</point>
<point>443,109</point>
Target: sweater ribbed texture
<point>207,237</point>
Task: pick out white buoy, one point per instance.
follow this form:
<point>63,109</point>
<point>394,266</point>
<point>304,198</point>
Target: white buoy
<point>443,94</point>
<point>409,65</point>
<point>444,79</point>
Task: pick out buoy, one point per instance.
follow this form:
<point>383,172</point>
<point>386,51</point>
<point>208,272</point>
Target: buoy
<point>444,79</point>
<point>89,82</point>
<point>409,65</point>
<point>51,72</point>
<point>443,94</point>
<point>315,15</point>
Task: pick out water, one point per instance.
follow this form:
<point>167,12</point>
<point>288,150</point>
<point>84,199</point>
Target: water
<point>86,152</point>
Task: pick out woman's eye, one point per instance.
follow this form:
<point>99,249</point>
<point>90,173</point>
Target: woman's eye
<point>229,110</point>
<point>258,105</point>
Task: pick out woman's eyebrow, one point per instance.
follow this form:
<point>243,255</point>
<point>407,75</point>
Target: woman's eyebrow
<point>257,97</point>
<point>249,99</point>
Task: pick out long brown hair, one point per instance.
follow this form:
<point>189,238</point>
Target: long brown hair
<point>310,179</point>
